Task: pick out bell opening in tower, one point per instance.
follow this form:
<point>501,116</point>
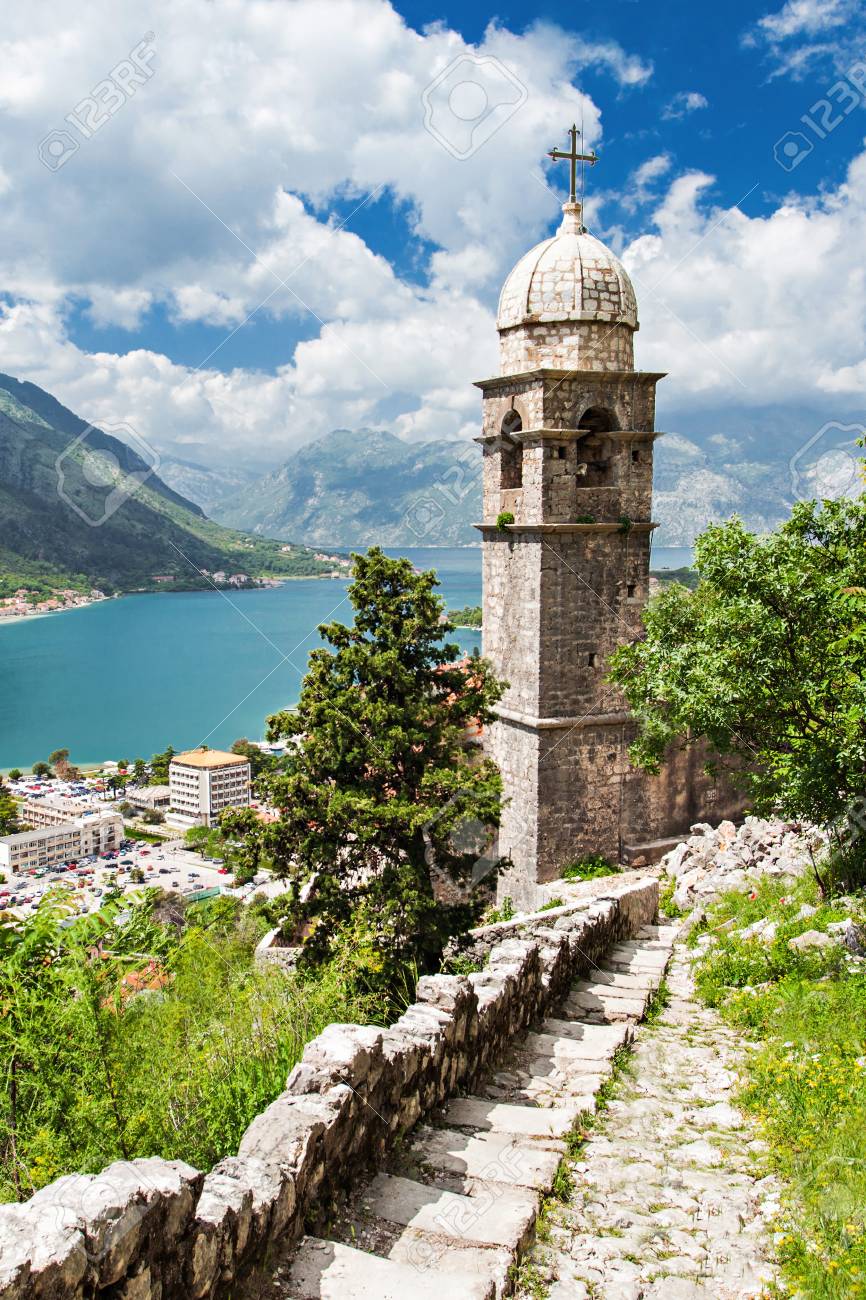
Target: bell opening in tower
<point>511,452</point>
<point>598,419</point>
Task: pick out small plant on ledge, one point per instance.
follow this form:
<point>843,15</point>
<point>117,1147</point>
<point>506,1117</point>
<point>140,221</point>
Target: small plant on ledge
<point>503,519</point>
<point>625,523</point>
<point>585,519</point>
<point>590,867</point>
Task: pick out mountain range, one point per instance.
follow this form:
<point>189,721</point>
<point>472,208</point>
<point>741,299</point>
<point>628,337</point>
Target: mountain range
<point>82,507</point>
<point>364,486</point>
<point>356,487</point>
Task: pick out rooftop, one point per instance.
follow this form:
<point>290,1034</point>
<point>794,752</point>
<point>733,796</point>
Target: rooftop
<point>209,758</point>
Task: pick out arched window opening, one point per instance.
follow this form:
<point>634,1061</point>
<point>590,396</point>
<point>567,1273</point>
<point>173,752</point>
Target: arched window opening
<point>511,452</point>
<point>597,419</point>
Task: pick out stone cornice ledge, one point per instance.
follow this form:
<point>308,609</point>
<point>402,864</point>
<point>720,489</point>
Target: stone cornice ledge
<point>565,528</point>
<point>554,724</point>
<point>547,372</point>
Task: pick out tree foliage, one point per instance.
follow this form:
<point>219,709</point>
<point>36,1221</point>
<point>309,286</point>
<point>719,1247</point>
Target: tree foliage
<point>380,789</point>
<point>765,660</point>
<point>128,1033</point>
<point>8,812</point>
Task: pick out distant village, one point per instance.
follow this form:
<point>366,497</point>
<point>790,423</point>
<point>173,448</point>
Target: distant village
<point>25,602</point>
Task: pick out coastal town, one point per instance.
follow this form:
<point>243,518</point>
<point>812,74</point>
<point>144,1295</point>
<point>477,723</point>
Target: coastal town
<point>114,832</point>
<point>27,601</point>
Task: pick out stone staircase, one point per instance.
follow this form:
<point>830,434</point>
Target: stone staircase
<point>457,1204</point>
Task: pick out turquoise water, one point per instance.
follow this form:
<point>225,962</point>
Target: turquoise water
<point>128,677</point>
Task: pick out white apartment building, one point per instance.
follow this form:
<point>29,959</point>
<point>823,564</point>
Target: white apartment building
<point>52,810</point>
<point>204,782</point>
<point>95,832</point>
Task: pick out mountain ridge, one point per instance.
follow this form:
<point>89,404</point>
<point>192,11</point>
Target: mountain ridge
<point>79,506</point>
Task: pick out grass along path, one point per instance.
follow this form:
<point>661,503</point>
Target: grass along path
<point>666,1202</point>
<point>803,1014</point>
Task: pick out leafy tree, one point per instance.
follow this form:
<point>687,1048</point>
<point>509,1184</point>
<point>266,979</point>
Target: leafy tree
<point>126,809</point>
<point>15,774</point>
<point>381,790</point>
<point>8,812</point>
<point>59,761</point>
<point>41,769</point>
<point>139,771</point>
<point>765,660</point>
<point>259,761</point>
<point>136,875</point>
<point>159,765</point>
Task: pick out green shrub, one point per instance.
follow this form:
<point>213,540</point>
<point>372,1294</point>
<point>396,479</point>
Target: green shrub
<point>590,867</point>
<point>503,519</point>
<point>100,1071</point>
<point>505,912</point>
<point>551,903</point>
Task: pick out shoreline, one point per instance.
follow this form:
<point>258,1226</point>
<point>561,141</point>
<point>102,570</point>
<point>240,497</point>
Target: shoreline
<point>275,580</point>
<point>49,613</point>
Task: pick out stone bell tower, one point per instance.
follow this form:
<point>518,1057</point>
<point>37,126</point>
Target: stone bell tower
<point>568,431</point>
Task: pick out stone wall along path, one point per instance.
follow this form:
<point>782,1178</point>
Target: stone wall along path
<point>455,1208</point>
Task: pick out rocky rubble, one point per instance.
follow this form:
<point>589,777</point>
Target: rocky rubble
<point>712,860</point>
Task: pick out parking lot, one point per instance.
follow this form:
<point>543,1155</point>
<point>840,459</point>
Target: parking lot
<point>170,866</point>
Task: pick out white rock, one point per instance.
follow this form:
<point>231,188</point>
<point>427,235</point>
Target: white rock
<point>811,939</point>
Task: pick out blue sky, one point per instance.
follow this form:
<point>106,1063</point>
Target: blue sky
<point>262,238</point>
<point>693,50</point>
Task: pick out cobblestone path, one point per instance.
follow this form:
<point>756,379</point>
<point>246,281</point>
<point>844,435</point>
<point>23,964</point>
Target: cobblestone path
<point>665,1203</point>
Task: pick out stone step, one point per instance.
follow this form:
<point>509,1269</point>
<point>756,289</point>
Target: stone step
<point>329,1270</point>
<point>640,982</point>
<point>634,964</point>
<point>594,1042</point>
<point>598,1003</point>
<point>653,956</point>
<point>547,1082</point>
<point>503,1117</point>
<point>571,1049</point>
<point>550,1080</point>
<point>492,1217</point>
<point>453,1262</point>
<point>489,1157</point>
<point>664,933</point>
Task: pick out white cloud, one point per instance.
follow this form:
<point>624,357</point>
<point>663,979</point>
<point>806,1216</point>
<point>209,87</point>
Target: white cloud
<point>247,105</point>
<point>805,17</point>
<point>209,196</point>
<point>643,180</point>
<point>806,32</point>
<point>683,103</point>
<point>751,311</point>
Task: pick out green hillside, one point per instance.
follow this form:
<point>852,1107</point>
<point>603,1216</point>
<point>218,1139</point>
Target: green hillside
<point>89,512</point>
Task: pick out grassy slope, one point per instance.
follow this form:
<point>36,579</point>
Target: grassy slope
<point>806,1080</point>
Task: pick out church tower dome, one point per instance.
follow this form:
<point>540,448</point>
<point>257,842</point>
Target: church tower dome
<point>568,301</point>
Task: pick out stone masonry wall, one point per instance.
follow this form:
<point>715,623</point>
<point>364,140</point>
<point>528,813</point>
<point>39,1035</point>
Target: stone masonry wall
<point>154,1229</point>
<point>572,345</point>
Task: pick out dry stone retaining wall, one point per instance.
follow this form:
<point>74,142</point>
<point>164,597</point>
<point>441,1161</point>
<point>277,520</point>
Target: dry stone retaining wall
<point>155,1229</point>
